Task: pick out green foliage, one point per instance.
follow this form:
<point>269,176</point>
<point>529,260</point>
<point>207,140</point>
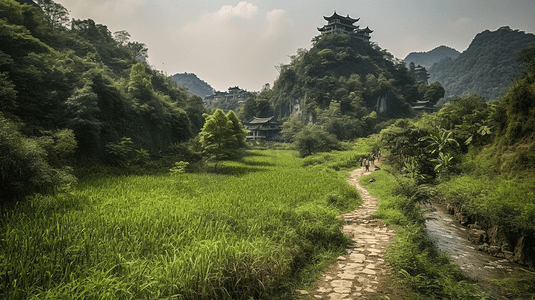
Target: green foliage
<point>189,152</point>
<point>30,165</point>
<point>439,143</point>
<point>257,105</point>
<point>81,77</point>
<point>291,128</point>
<point>123,151</point>
<point>403,140</point>
<point>434,92</point>
<point>526,58</point>
<point>519,107</point>
<point>58,15</point>
<point>486,67</point>
<point>419,269</point>
<point>237,131</point>
<point>140,85</point>
<point>339,81</point>
<point>504,201</point>
<point>179,168</point>
<point>222,136</point>
<point>195,236</point>
<point>8,94</point>
<point>312,139</point>
<point>520,285</point>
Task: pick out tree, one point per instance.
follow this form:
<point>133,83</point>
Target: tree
<point>219,137</point>
<point>434,92</point>
<point>8,94</point>
<point>312,139</point>
<point>140,86</point>
<point>291,128</point>
<point>58,15</point>
<point>82,108</point>
<point>248,109</point>
<point>237,130</point>
<point>121,37</point>
<point>29,165</point>
<point>138,50</point>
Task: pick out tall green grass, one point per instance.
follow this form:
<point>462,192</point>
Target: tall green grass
<point>256,229</point>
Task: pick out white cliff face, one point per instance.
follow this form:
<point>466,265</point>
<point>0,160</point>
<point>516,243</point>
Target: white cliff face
<point>382,103</point>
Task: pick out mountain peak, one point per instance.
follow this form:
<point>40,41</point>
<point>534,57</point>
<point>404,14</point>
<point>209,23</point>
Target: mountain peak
<point>428,58</point>
<point>194,84</point>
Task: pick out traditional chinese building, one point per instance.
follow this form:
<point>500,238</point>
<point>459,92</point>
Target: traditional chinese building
<point>423,106</point>
<point>340,24</point>
<point>266,129</point>
<point>235,94</point>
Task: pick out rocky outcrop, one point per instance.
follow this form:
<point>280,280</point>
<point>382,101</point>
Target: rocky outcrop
<point>517,247</point>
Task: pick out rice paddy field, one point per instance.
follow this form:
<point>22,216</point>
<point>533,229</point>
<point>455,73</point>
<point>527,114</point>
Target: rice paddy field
<point>259,228</point>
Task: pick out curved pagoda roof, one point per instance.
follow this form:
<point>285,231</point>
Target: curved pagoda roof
<point>346,26</point>
<point>367,30</point>
<point>257,120</point>
<point>342,18</point>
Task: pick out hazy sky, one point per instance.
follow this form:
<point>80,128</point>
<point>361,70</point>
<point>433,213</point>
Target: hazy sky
<point>232,43</point>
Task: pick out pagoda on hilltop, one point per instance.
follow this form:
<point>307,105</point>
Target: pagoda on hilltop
<point>345,25</point>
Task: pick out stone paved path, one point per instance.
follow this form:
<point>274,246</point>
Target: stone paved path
<point>361,273</point>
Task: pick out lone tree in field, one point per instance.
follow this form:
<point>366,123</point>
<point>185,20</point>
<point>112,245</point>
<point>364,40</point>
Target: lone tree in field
<point>222,136</point>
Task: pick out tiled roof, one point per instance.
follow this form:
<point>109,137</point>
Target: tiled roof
<point>260,120</point>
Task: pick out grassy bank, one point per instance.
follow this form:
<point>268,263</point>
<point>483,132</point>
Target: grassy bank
<point>419,269</point>
<point>497,185</point>
<point>258,228</point>
<point>495,188</point>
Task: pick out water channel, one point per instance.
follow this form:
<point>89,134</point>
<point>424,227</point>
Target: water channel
<point>451,237</point>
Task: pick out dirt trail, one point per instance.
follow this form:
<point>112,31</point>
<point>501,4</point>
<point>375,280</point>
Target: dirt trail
<point>361,273</point>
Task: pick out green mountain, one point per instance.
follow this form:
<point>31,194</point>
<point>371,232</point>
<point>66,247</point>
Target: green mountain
<point>427,59</point>
<point>486,67</point>
<point>346,84</point>
<point>194,85</point>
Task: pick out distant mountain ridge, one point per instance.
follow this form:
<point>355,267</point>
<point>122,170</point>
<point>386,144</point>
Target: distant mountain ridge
<point>427,59</point>
<point>486,67</point>
<point>195,85</point>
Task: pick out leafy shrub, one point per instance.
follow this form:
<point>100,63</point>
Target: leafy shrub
<point>30,165</point>
<point>122,153</point>
<point>179,168</point>
<point>314,139</point>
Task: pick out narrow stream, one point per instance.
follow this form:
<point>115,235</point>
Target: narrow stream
<point>451,237</point>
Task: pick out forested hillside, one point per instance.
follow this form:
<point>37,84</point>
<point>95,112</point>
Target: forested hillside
<point>78,75</point>
<point>481,157</point>
<point>71,85</point>
<point>195,85</point>
<point>346,85</point>
<point>486,67</point>
<point>429,58</point>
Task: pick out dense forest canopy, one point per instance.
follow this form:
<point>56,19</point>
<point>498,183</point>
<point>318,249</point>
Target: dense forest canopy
<point>78,75</point>
<point>61,76</point>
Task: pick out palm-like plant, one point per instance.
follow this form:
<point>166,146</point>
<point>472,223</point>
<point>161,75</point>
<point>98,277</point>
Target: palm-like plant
<point>439,140</point>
